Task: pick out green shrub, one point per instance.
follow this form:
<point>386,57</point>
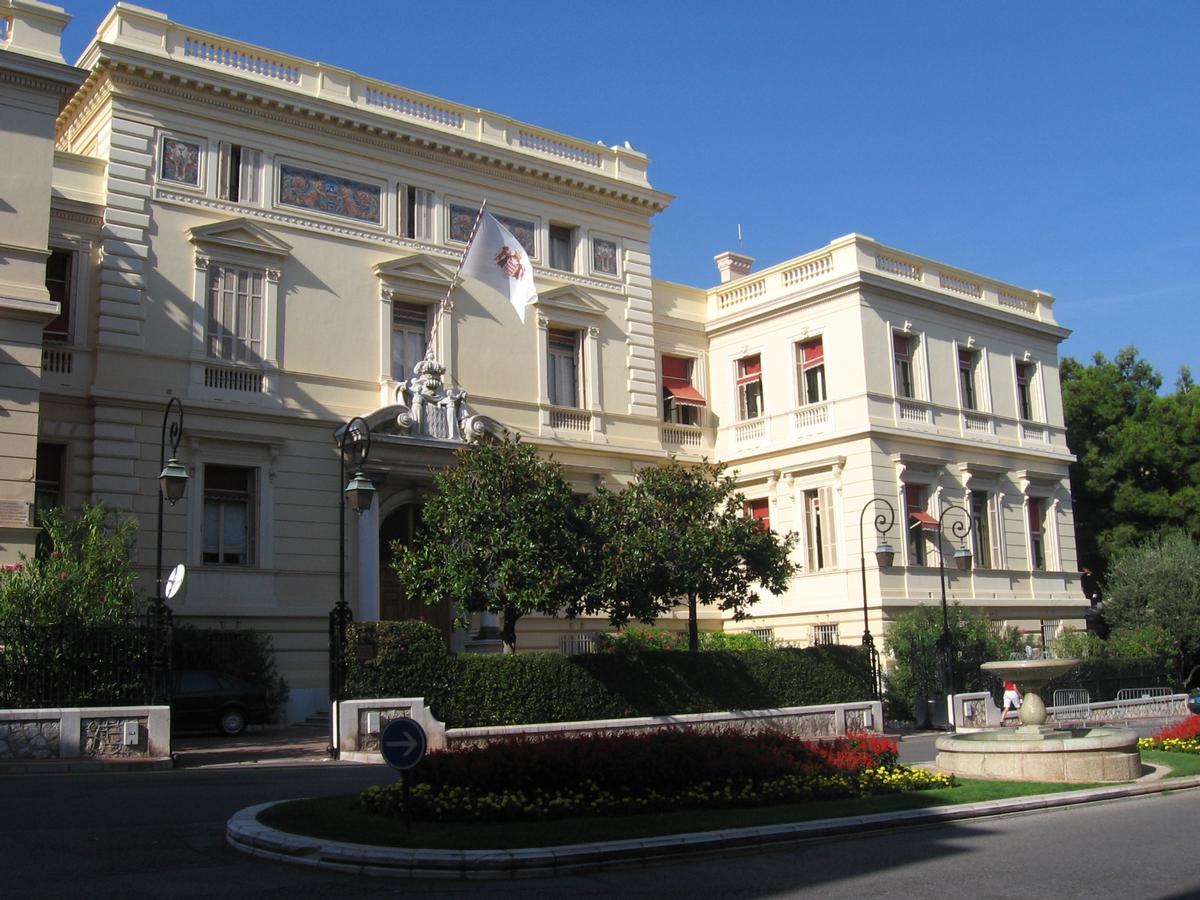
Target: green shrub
<point>236,651</point>
<point>410,659</point>
<point>734,640</point>
<point>640,639</point>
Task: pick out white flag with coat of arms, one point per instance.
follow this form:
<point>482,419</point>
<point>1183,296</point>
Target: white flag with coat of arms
<point>497,259</point>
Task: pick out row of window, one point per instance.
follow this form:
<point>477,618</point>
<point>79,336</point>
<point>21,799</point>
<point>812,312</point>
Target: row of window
<point>811,382</point>
<point>230,505</point>
<point>241,177</point>
<point>819,532</point>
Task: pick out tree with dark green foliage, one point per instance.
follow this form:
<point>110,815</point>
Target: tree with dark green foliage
<point>1157,583</point>
<point>501,534</point>
<point>912,641</point>
<point>1137,465</point>
<point>680,532</point>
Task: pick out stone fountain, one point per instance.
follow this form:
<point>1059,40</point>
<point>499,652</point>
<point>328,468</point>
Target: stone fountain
<point>1035,751</point>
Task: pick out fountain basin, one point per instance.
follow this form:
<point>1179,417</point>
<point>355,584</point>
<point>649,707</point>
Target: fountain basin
<point>1084,755</point>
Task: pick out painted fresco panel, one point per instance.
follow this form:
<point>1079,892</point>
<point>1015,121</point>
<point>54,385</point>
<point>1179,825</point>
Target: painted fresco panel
<point>180,161</point>
<point>330,194</point>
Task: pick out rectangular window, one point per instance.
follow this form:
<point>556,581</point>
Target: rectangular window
<point>1025,390</point>
<point>981,532</point>
<point>228,529</point>
<point>968,366</point>
<point>418,213</point>
<point>681,401</point>
<point>759,509</point>
<point>409,338</point>
<point>235,312</point>
<point>916,516</point>
<point>749,387</point>
<point>562,248</point>
<point>562,367</point>
<point>902,351</point>
<point>810,360</point>
<point>239,173</point>
<point>824,634</point>
<point>59,271</point>
<point>821,545</point>
<point>48,478</point>
<point>1037,544</point>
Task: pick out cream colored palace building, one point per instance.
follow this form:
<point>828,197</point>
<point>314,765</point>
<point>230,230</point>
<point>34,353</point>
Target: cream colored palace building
<point>268,238</point>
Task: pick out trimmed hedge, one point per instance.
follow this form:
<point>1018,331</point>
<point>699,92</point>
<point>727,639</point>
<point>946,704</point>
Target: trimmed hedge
<point>410,659</point>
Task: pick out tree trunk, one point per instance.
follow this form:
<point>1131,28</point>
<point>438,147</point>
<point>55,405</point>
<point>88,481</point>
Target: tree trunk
<point>693,626</point>
<point>508,631</point>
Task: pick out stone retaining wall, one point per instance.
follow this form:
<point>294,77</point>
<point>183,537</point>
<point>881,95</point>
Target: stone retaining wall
<point>84,733</point>
<point>360,721</point>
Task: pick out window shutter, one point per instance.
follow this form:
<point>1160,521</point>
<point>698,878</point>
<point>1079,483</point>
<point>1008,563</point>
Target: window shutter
<point>224,152</point>
<point>828,532</point>
<point>251,166</point>
<point>422,214</point>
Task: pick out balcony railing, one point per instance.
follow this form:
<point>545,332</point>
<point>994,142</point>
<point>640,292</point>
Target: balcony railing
<point>814,419</point>
<point>688,437</point>
<point>57,360</point>
<point>570,420</point>
<point>228,378</point>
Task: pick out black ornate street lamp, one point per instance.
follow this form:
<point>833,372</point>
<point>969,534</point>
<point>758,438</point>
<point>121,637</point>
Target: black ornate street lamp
<point>354,438</point>
<point>172,482</point>
<point>885,553</point>
<point>960,528</point>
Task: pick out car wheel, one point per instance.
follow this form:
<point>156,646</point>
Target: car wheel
<point>233,721</point>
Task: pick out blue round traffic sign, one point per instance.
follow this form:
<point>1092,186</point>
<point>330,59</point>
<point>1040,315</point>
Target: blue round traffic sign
<point>402,743</point>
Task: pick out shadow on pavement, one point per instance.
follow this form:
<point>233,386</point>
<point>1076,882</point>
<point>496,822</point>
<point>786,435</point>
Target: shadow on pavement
<point>270,744</point>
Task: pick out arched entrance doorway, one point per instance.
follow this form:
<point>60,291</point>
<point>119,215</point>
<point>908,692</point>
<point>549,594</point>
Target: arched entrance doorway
<point>400,525</point>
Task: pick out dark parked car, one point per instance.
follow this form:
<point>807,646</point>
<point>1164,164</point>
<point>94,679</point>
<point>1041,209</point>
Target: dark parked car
<point>1193,703</point>
<point>205,700</point>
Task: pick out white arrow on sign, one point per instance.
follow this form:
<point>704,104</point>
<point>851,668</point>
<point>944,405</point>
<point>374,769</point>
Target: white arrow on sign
<point>407,744</point>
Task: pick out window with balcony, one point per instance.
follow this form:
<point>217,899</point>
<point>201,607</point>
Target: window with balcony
<point>682,403</point>
<point>410,336</point>
<point>562,248</point>
<point>562,367</point>
<point>227,537</point>
<point>1024,374</point>
<point>235,314</point>
<point>749,387</point>
<point>759,509</point>
<point>418,213</point>
<point>239,173</point>
<point>60,277</point>
<point>968,378</point>
<point>820,541</point>
<point>810,361</point>
<point>903,354</point>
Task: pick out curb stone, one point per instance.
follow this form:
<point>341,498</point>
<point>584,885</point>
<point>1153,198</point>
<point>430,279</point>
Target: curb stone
<point>245,833</point>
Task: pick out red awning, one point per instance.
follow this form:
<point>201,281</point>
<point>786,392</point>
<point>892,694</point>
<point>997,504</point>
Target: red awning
<point>683,393</point>
<point>924,521</point>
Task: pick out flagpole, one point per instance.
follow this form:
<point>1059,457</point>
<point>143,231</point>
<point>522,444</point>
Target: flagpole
<point>444,305</point>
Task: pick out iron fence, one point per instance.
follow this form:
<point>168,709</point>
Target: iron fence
<point>70,664</point>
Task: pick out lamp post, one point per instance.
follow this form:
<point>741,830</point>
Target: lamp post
<point>172,482</point>
<point>358,493</point>
<point>960,528</point>
<point>885,553</point>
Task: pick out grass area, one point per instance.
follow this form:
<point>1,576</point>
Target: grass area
<point>339,818</point>
<point>1181,764</point>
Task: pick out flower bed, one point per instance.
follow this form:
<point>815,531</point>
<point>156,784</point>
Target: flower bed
<point>632,773</point>
<point>1182,737</point>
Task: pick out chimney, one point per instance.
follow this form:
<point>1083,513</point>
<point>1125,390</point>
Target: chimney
<point>733,265</point>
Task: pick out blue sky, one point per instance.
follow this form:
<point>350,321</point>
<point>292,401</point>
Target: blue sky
<point>1051,145</point>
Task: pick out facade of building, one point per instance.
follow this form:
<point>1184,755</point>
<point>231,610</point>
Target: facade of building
<point>269,240</point>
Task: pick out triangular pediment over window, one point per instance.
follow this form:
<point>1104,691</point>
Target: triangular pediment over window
<point>416,275</point>
<point>239,236</point>
<point>571,299</point>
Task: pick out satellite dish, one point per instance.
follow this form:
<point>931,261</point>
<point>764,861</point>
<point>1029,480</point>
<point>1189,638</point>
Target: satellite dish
<point>174,581</point>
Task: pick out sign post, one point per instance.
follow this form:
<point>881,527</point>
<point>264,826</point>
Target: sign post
<point>402,744</point>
